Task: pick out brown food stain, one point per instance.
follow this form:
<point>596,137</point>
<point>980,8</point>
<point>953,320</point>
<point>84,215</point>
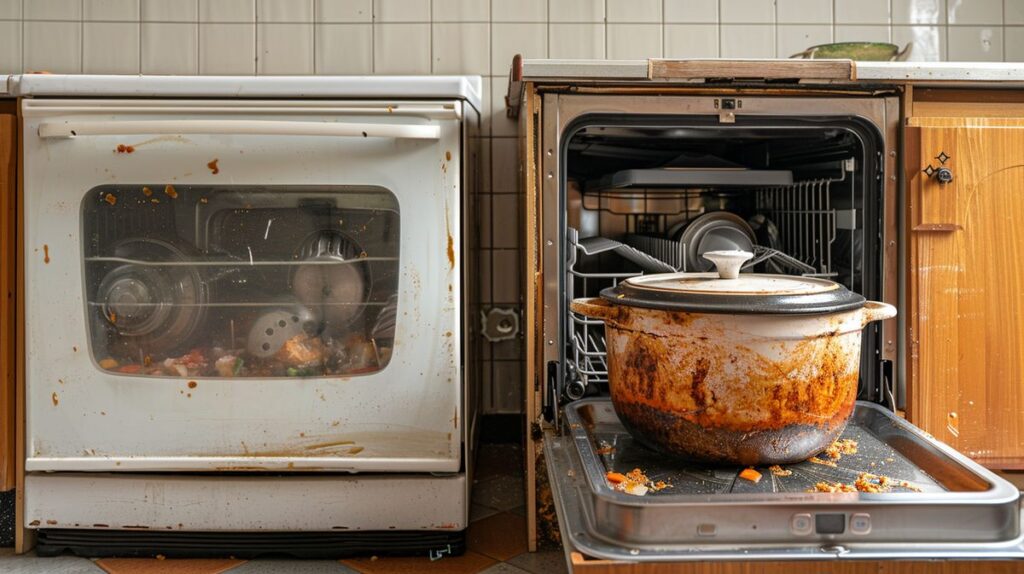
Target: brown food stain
<point>46,254</point>
<point>34,523</point>
<point>447,155</point>
<point>110,198</point>
<point>451,240</point>
<point>146,191</point>
<point>122,148</point>
<point>74,349</point>
<point>170,191</point>
<point>324,445</point>
<point>192,384</point>
<point>355,450</point>
<point>54,398</point>
<point>213,166</point>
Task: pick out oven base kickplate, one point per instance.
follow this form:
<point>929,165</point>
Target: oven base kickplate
<point>310,545</point>
<point>940,504</point>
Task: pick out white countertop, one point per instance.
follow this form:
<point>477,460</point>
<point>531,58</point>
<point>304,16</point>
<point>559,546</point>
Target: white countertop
<point>873,72</point>
<point>468,88</point>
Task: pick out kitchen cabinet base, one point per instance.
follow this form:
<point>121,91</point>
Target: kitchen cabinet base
<point>310,545</point>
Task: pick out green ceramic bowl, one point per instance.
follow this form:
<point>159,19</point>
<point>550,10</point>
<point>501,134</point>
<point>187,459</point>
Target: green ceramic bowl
<point>863,51</point>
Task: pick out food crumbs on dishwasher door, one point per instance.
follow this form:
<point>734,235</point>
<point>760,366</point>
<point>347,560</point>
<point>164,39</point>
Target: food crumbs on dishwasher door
<point>751,475</point>
<point>839,447</point>
<point>826,486</point>
<point>634,482</point>
<point>822,462</point>
<point>605,448</point>
<point>779,471</point>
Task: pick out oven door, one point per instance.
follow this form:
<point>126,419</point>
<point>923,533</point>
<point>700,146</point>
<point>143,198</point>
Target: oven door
<point>242,285</point>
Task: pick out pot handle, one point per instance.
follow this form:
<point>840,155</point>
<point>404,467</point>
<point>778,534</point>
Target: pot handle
<point>593,307</point>
<point>876,311</point>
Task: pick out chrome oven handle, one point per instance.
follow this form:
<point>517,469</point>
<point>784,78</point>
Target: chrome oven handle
<point>74,128</point>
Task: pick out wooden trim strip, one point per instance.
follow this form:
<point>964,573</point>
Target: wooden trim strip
<point>840,70</point>
<point>24,539</point>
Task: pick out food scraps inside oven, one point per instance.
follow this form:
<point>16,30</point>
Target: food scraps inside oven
<point>238,281</point>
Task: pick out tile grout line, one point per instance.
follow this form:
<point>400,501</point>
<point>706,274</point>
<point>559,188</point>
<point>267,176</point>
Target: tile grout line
<point>81,36</point>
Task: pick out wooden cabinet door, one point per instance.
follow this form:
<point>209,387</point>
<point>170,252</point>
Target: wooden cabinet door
<point>966,284</point>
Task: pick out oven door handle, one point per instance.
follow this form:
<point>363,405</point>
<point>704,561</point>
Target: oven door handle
<point>73,128</point>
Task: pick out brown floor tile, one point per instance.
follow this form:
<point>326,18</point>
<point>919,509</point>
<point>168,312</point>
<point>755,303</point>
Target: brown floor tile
<point>504,568</point>
<point>498,459</point>
<point>479,512</point>
<point>501,536</point>
<point>171,566</point>
<point>545,562</point>
<point>468,563</point>
<point>500,492</point>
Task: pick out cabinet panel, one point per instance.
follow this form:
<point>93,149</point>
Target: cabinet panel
<point>966,281</point>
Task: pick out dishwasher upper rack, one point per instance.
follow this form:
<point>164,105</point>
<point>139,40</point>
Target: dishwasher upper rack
<point>804,211</point>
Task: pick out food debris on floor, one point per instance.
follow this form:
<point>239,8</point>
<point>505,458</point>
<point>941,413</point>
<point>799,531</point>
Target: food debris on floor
<point>779,471</point>
<point>839,447</point>
<point>634,482</point>
<point>751,475</point>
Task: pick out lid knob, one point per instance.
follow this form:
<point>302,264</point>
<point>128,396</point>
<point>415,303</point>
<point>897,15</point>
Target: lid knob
<point>728,263</point>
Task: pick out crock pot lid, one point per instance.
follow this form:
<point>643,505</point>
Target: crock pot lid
<point>745,284</point>
<point>748,293</point>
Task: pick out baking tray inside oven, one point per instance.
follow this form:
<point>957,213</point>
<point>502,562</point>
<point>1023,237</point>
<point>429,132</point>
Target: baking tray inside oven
<point>938,500</point>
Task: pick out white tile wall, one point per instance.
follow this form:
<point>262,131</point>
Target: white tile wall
<point>221,11</point>
<point>110,48</point>
<point>246,37</point>
<point>227,49</point>
<point>111,10</point>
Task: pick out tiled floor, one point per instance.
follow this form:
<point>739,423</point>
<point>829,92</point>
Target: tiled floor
<point>496,541</point>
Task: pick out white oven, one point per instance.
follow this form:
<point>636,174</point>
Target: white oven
<point>235,285</point>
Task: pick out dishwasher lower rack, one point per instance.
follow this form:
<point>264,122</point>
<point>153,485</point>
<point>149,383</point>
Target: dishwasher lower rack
<point>962,511</point>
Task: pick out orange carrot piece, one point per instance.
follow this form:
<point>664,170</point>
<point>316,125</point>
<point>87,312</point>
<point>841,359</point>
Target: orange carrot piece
<point>615,477</point>
<point>751,475</point>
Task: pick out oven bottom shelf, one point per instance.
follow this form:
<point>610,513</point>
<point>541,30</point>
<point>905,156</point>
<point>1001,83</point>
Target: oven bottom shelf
<point>962,510</point>
<point>310,545</point>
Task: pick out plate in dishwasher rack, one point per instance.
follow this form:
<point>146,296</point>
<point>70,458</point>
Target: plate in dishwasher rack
<point>931,496</point>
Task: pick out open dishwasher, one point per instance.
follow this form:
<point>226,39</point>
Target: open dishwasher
<point>645,184</point>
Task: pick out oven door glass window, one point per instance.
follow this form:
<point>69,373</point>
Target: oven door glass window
<point>236,282</point>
